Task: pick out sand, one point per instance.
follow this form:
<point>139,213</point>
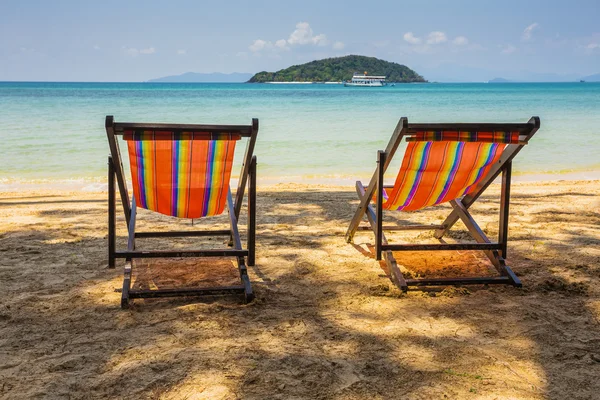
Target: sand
<point>327,322</point>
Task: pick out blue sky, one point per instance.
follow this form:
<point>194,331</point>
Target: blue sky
<point>131,40</point>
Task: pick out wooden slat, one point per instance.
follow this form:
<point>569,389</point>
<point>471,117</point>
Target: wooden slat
<point>414,139</point>
<point>186,253</point>
<point>244,130</point>
<point>390,228</point>
<point>137,294</point>
<point>443,246</point>
<point>221,232</point>
<point>461,126</point>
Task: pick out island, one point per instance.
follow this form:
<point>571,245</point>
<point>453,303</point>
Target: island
<point>499,80</point>
<point>591,78</point>
<point>339,69</point>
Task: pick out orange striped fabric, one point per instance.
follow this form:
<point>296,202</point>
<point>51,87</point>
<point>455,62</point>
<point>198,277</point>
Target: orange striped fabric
<point>436,172</point>
<point>184,175</point>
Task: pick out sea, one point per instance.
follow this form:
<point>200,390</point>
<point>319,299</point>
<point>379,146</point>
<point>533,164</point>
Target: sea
<point>53,133</point>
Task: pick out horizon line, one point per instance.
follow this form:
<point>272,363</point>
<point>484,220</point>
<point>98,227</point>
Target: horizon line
<point>163,82</point>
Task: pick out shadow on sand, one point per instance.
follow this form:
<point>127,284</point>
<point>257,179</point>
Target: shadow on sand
<point>327,322</point>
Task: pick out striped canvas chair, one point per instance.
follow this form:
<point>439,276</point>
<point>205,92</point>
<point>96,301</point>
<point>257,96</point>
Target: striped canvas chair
<point>444,163</point>
<point>182,171</point>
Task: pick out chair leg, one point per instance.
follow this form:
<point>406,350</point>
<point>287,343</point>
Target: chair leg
<point>111,213</point>
<point>126,285</point>
<point>252,213</point>
<point>504,208</point>
<point>237,244</point>
<point>248,292</point>
<point>379,214</point>
<point>131,227</point>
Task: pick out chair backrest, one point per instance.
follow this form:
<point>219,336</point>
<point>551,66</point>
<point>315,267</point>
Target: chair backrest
<point>181,174</point>
<point>443,165</point>
<point>181,170</point>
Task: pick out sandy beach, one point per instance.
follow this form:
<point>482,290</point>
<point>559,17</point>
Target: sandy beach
<point>327,322</point>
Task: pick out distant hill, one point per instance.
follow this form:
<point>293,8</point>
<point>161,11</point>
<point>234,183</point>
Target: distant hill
<point>339,69</point>
<point>592,78</point>
<point>499,80</point>
<point>190,77</point>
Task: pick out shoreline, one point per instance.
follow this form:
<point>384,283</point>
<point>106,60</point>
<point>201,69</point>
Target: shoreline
<point>99,184</point>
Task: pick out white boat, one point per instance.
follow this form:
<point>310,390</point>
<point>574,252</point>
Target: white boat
<point>366,80</point>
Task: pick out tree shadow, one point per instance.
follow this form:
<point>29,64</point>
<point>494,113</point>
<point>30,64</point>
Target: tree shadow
<point>326,323</point>
<point>35,202</point>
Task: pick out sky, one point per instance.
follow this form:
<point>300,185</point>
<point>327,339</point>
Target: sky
<point>132,40</point>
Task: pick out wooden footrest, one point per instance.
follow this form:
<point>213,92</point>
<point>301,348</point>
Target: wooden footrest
<point>138,294</point>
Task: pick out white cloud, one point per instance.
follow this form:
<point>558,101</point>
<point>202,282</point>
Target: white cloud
<point>338,45</point>
<point>259,45</point>
<point>508,49</point>
<point>133,52</point>
<point>460,41</point>
<point>381,44</point>
<point>589,45</point>
<point>436,37</point>
<point>181,52</point>
<point>410,38</point>
<point>321,40</point>
<point>130,51</point>
<point>282,44</point>
<point>438,41</point>
<point>96,47</point>
<point>591,48</point>
<point>527,33</point>
<point>304,35</point>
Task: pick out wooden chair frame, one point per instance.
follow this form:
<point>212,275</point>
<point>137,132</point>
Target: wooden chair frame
<point>496,252</point>
<point>243,256</point>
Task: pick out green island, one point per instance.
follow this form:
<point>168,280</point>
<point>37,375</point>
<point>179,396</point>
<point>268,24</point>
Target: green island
<point>340,69</point>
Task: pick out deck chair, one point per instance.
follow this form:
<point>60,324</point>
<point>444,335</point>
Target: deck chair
<point>182,171</point>
<point>444,163</point>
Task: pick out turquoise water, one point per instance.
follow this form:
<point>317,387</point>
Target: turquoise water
<point>56,131</point>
